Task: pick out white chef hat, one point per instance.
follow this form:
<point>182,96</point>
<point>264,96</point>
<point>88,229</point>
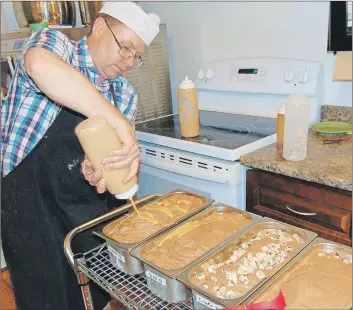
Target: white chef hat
<point>133,16</point>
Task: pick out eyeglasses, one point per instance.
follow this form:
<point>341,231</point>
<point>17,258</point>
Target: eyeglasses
<point>124,52</point>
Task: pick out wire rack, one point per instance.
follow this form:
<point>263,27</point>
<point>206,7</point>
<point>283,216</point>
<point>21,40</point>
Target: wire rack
<point>131,291</point>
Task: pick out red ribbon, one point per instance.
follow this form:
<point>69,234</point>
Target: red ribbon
<point>279,303</point>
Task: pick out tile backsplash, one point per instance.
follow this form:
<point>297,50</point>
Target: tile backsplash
<point>336,113</point>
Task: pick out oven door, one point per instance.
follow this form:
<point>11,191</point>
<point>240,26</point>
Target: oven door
<point>154,180</point>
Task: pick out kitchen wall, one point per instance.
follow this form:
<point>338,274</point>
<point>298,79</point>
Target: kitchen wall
<point>4,28</point>
<point>204,31</point>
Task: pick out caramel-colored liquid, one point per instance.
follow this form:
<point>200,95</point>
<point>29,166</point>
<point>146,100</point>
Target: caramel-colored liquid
<point>98,140</point>
<point>280,131</point>
<point>135,208</point>
<point>188,112</point>
<point>143,216</point>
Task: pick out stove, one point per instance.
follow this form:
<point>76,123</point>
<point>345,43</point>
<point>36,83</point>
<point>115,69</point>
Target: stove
<point>223,133</point>
<point>238,103</point>
<point>223,130</point>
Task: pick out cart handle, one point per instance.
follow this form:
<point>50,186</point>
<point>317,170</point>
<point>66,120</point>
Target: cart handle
<point>87,225</point>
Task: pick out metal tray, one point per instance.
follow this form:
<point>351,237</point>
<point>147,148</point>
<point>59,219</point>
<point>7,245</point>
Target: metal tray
<point>120,252</point>
<point>162,282</point>
<point>204,300</point>
<point>318,242</point>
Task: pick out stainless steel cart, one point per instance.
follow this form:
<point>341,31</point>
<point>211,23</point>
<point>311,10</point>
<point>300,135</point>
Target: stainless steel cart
<point>95,265</point>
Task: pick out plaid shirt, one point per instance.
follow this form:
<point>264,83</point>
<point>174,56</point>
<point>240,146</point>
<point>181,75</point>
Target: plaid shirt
<point>27,113</point>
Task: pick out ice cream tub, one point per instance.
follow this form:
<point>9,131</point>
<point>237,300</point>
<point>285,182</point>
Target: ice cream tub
<point>169,253</point>
<point>128,231</point>
<point>320,277</point>
<point>231,273</point>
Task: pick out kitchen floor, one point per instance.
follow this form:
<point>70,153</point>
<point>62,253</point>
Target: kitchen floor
<point>7,298</point>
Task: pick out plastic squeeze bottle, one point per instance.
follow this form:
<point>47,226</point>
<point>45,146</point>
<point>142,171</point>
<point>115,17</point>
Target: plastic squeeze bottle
<point>98,140</point>
<point>188,109</point>
<point>296,127</point>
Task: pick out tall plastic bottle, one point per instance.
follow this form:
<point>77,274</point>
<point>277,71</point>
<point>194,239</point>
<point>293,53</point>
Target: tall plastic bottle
<point>296,128</point>
<point>188,109</point>
<point>98,139</point>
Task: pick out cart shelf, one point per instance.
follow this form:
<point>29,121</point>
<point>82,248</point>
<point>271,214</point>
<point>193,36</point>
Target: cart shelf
<point>131,291</point>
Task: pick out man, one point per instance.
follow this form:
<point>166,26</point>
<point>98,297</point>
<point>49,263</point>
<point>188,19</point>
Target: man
<point>57,84</point>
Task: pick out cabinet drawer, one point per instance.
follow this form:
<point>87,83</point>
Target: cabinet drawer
<point>313,192</point>
<point>323,232</point>
<point>305,209</point>
<point>322,209</point>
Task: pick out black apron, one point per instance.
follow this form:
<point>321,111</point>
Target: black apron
<point>43,198</point>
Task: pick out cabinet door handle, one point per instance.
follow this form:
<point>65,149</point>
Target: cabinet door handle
<point>300,213</point>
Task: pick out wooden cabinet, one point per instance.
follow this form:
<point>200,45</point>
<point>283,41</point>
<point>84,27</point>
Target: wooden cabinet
<point>322,209</point>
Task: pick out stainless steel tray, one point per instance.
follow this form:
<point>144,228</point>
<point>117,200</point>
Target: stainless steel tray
<point>204,300</point>
<point>120,252</point>
<point>318,242</point>
<point>162,282</point>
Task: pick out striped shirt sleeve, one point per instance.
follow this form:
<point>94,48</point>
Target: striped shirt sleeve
<point>50,39</point>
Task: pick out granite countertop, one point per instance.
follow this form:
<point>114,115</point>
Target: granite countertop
<point>327,164</point>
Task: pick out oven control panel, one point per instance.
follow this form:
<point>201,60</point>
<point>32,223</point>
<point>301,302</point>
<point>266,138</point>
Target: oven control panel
<point>261,75</point>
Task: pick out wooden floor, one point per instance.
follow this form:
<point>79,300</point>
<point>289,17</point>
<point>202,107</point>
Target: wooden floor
<point>7,299</point>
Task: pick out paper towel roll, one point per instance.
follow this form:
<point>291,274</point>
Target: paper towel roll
<point>343,67</point>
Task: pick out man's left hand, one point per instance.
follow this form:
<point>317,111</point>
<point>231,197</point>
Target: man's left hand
<point>93,176</point>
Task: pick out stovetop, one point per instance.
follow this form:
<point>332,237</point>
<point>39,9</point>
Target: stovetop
<point>224,130</point>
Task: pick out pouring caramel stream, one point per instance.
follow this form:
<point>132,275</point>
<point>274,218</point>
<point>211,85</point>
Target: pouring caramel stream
<point>141,215</point>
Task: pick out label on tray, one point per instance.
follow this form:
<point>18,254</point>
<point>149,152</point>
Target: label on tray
<point>119,258</point>
<point>207,303</point>
<point>156,278</point>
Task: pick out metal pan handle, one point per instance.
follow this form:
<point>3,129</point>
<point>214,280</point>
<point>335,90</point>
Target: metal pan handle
<point>300,213</point>
<point>68,239</point>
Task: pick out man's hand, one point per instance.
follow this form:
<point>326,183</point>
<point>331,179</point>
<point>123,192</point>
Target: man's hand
<point>129,155</point>
<point>93,176</point>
